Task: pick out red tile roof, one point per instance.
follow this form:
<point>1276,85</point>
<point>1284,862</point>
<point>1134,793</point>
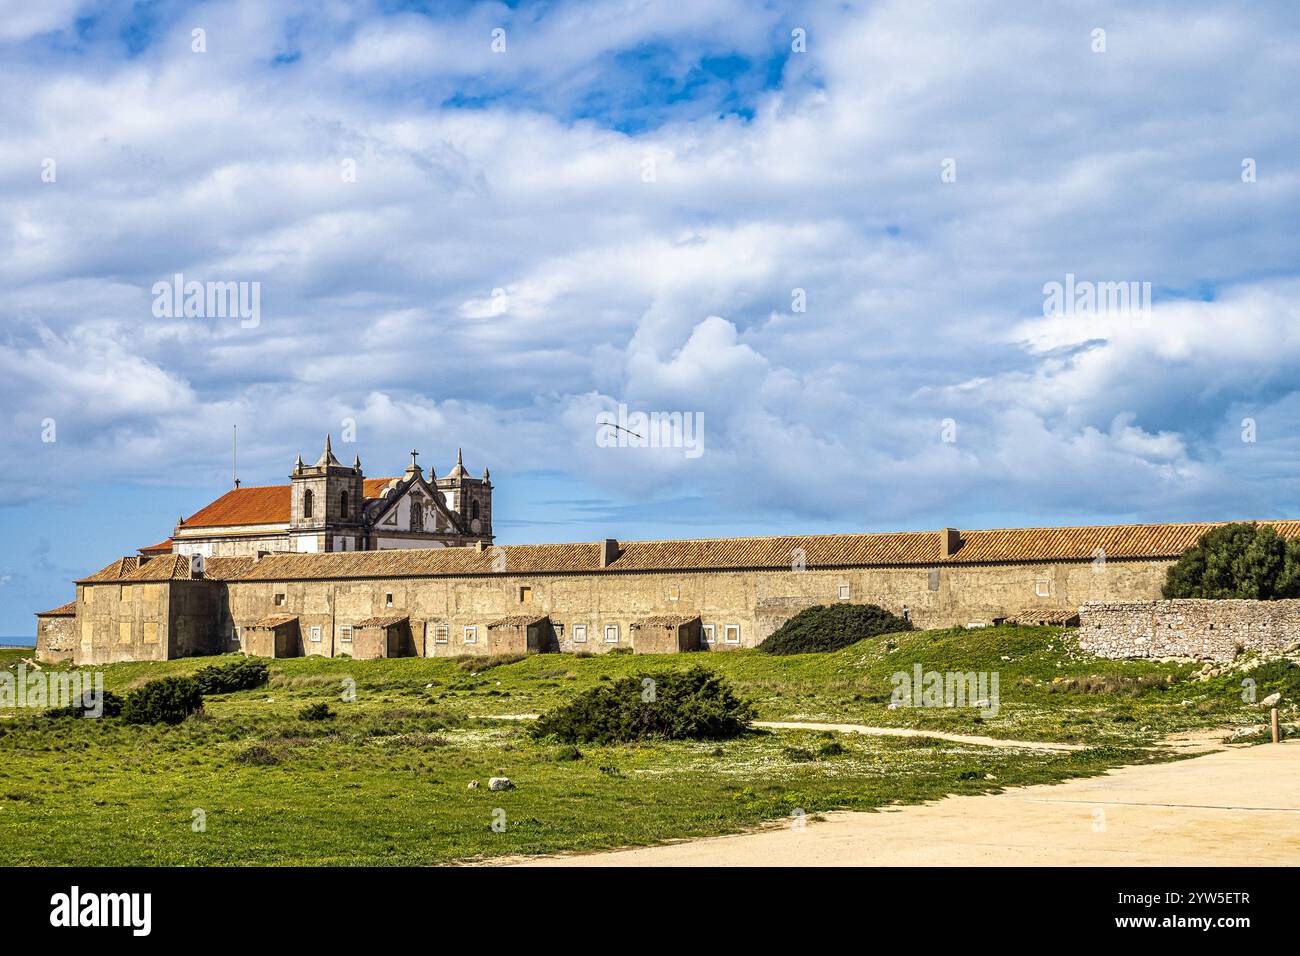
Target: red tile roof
<point>162,547</point>
<point>63,610</point>
<point>889,549</point>
<point>260,504</point>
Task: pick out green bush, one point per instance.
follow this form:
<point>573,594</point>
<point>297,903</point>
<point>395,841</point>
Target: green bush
<point>669,705</point>
<point>317,711</point>
<point>168,700</point>
<point>112,706</point>
<point>1241,560</point>
<point>243,674</point>
<point>831,627</point>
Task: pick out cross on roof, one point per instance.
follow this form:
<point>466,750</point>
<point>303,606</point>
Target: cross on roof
<point>414,454</point>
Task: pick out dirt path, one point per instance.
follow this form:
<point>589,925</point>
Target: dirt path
<point>1239,806</point>
<point>872,731</point>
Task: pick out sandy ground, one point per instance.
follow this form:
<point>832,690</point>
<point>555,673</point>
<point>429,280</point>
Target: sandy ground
<point>1239,806</point>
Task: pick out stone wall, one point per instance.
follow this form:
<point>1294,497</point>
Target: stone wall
<point>1209,630</point>
<point>56,637</point>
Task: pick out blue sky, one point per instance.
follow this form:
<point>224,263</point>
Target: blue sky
<point>618,207</point>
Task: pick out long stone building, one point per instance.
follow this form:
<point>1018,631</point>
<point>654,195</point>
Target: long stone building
<point>694,594</point>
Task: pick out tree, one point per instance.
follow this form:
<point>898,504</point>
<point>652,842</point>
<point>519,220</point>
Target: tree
<point>1241,560</point>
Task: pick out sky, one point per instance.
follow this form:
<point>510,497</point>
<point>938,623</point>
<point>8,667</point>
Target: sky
<point>827,234</point>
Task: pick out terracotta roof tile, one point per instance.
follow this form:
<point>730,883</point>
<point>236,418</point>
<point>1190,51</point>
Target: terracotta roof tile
<point>665,620</point>
<point>260,504</point>
<point>384,620</point>
<point>518,620</point>
<point>272,621</point>
<point>906,548</point>
<point>162,547</point>
<point>63,610</point>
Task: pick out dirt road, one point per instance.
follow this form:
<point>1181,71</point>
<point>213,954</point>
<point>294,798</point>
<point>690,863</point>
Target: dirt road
<point>1237,806</point>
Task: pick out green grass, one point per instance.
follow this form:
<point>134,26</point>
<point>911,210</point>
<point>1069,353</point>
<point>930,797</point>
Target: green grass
<point>386,780</point>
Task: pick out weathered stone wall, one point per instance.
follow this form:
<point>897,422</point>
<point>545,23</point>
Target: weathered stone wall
<point>56,638</point>
<point>1211,630</point>
<point>757,601</point>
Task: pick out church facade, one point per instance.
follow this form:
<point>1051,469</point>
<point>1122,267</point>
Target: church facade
<point>329,507</point>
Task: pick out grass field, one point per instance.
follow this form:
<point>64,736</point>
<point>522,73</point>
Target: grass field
<point>387,779</point>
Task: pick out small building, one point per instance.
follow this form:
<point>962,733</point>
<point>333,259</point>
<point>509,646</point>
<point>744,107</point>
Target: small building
<point>277,635</point>
<point>666,634</point>
<point>56,633</point>
<point>384,636</point>
<point>520,634</point>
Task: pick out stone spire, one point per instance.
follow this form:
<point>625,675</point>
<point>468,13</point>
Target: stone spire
<point>487,475</point>
<point>459,470</point>
<point>327,456</point>
<point>356,464</point>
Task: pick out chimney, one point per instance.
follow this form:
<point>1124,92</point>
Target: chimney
<point>608,552</point>
<point>478,545</point>
<point>949,542</point>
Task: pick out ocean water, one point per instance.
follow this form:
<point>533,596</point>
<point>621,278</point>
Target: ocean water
<point>21,641</point>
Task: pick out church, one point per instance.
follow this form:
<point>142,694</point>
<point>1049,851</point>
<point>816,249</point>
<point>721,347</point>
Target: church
<point>329,506</point>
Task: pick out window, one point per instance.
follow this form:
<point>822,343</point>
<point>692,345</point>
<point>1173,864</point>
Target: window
<point>308,503</point>
<point>611,633</point>
<point>1042,588</point>
<point>441,633</point>
<point>525,595</point>
<point>279,600</point>
<point>417,516</point>
<point>388,600</point>
<point>471,634</point>
<point>674,593</point>
<point>844,592</point>
<point>473,510</point>
<point>934,580</point>
<point>580,633</point>
<point>345,633</point>
<point>558,629</point>
<point>314,631</point>
<point>343,505</point>
<point>731,633</point>
<point>708,632</point>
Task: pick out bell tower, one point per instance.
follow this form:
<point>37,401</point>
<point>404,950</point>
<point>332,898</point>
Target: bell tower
<point>327,501</point>
<point>470,498</point>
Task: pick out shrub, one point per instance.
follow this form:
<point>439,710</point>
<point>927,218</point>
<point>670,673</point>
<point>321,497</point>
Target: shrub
<point>243,674</point>
<point>258,756</point>
<point>1241,560</point>
<point>684,705</point>
<point>1280,675</point>
<point>832,748</point>
<point>831,627</point>
<point>168,700</point>
<point>317,711</point>
<point>112,705</point>
<point>797,754</point>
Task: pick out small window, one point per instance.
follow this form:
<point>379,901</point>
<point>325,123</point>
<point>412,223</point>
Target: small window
<point>234,633</point>
<point>345,633</point>
<point>441,633</point>
<point>473,509</point>
<point>558,629</point>
<point>844,592</point>
<point>279,600</point>
<point>525,595</point>
<point>580,633</point>
<point>708,630</point>
<point>731,634</point>
<point>674,593</point>
<point>1042,588</point>
<point>471,634</point>
<point>611,633</point>
<point>308,503</point>
<point>315,633</point>
<point>343,505</point>
<point>388,600</point>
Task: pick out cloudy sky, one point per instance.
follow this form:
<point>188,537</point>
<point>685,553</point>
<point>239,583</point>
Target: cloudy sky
<point>826,229</point>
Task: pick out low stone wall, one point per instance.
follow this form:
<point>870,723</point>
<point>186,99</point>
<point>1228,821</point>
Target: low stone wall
<point>1190,627</point>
